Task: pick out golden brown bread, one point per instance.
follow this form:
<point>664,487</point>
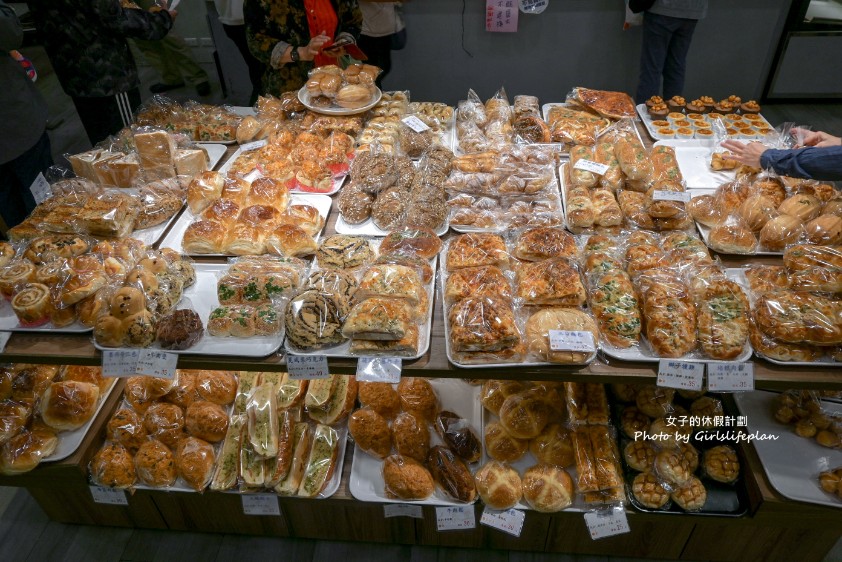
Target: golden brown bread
<point>499,485</point>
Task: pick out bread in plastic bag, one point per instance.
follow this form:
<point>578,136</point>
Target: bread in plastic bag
<point>155,465</point>
<point>371,432</point>
<point>411,436</point>
<point>451,475</point>
<point>112,466</point>
<point>194,460</point>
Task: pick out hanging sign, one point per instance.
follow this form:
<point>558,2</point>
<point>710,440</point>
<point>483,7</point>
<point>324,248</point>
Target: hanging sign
<point>501,15</point>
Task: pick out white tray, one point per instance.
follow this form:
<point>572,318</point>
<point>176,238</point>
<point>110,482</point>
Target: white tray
<point>242,110</point>
<point>69,441</point>
<point>153,234</point>
<point>647,121</point>
<point>792,463</point>
<point>304,97</point>
<point>202,295</point>
<point>366,483</point>
<point>215,152</point>
<point>9,322</point>
<point>174,237</point>
<point>642,352</point>
<point>337,180</point>
<point>694,162</point>
<point>344,349</point>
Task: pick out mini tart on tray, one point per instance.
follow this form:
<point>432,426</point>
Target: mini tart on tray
<point>696,106</point>
<point>750,107</point>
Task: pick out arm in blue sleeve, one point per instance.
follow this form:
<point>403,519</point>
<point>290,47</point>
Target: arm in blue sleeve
<point>133,23</point>
<point>810,163</point>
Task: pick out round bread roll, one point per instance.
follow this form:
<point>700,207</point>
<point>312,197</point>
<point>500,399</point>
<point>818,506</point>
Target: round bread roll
<point>380,397</point>
<point>113,466</point>
<point>691,496</point>
<point>654,401</point>
<point>833,207</point>
<point>721,464</point>
<point>771,188</point>
<point>109,331</point>
<point>25,450</point>
<point>537,333</point>
<point>802,206</point>
<point>353,96</point>
<point>756,211</point>
<point>624,392</point>
<point>640,455</point>
<point>418,397</point>
<point>371,432</point>
<point>206,420</point>
<point>824,229</point>
<point>670,432</point>
<point>525,415</point>
<point>672,467</point>
<point>407,479</point>
<point>495,392</point>
<point>411,436</point>
<point>155,464</point>
<point>156,387</point>
<point>553,446</point>
<point>707,408</point>
<point>126,427</point>
<point>732,239</point>
<point>780,232</point>
<point>547,488</point>
<point>691,455</point>
<point>13,418</point>
<point>127,301</point>
<point>499,485</point>
<point>501,446</point>
<point>829,439</point>
<point>219,387</point>
<point>68,405</point>
<point>194,459</point>
<point>137,395</point>
<point>164,422</point>
<point>649,492</point>
<point>632,420</point>
<point>185,391</point>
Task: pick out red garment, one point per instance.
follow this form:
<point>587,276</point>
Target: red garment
<point>321,19</point>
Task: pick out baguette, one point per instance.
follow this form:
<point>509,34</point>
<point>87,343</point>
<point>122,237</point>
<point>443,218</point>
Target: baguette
<point>291,392</point>
<point>262,413</point>
<point>319,392</point>
<point>228,463</point>
<point>322,461</point>
<point>341,402</point>
<point>279,468</point>
<point>301,444</point>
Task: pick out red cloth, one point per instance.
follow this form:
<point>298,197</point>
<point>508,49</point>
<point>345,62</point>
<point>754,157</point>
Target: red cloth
<point>321,18</point>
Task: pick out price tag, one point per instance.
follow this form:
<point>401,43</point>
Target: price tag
<point>455,518</point>
<point>40,189</point>
<point>379,369</point>
<point>533,6</point>
<point>509,521</point>
<point>249,146</point>
<point>680,374</point>
<point>156,363</point>
<point>730,377</point>
<point>403,510</point>
<point>4,339</point>
<point>308,367</point>
<point>662,195</point>
<point>603,524</point>
<point>120,362</point>
<point>591,166</point>
<point>261,504</point>
<point>109,496</point>
<point>415,124</point>
<point>569,340</point>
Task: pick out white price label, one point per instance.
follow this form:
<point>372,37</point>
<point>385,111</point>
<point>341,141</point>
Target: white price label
<point>603,524</point>
<point>509,521</point>
<point>4,339</point>
<point>119,362</point>
<point>41,190</point>
<point>455,518</point>
<point>415,124</point>
<point>109,496</point>
<point>302,367</point>
<point>591,166</point>
<point>138,362</point>
<point>379,369</point>
<point>680,374</point>
<point>249,146</point>
<point>730,377</point>
<point>403,510</point>
<point>570,340</point>
<point>261,504</point>
<point>662,195</point>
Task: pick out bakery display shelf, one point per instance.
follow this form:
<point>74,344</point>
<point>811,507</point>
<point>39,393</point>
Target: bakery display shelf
<point>175,235</point>
<point>366,479</point>
<point>693,158</point>
<point>791,463</point>
<point>643,112</point>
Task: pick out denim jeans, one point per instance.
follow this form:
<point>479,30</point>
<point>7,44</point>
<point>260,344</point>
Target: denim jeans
<point>666,41</point>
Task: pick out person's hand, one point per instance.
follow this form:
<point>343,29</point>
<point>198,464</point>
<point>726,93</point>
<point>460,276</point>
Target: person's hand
<point>173,14</point>
<point>817,138</point>
<point>314,47</point>
<point>748,154</point>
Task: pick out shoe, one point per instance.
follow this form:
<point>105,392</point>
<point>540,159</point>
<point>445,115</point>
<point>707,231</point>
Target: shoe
<point>203,88</point>
<point>161,87</point>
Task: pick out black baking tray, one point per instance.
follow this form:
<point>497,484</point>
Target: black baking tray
<point>723,500</point>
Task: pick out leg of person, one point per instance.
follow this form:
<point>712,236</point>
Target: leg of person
<point>237,34</point>
<point>16,177</point>
<point>157,55</point>
<point>379,53</point>
<point>179,55</point>
<point>675,66</point>
<point>653,52</point>
<point>102,117</point>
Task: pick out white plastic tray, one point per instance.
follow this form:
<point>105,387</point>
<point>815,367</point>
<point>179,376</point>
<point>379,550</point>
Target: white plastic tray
<point>647,121</point>
<point>694,162</point>
<point>367,472</point>
<point>69,441</point>
<point>202,296</point>
<point>337,180</point>
<point>792,463</point>
<point>176,234</point>
<point>215,152</point>
<point>9,322</point>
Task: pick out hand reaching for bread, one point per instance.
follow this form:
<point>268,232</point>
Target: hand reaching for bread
<point>815,138</point>
<point>748,154</point>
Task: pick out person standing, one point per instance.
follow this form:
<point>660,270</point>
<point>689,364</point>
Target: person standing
<point>86,43</point>
<point>668,27</point>
<point>24,144</point>
<point>290,37</point>
<point>382,22</point>
<point>172,58</point>
<point>231,17</point>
